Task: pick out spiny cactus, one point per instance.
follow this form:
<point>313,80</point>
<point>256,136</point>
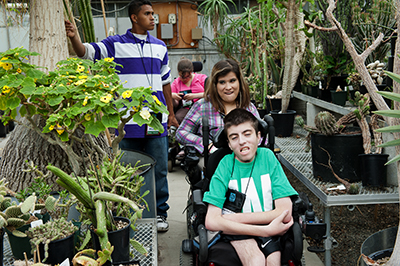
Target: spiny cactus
<point>325,122</point>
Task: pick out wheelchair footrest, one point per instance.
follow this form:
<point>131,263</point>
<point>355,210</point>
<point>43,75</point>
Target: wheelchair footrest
<point>315,249</point>
<point>187,246</point>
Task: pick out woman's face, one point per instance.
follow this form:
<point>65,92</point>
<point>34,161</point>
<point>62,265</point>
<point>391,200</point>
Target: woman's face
<point>228,87</point>
<point>185,76</point>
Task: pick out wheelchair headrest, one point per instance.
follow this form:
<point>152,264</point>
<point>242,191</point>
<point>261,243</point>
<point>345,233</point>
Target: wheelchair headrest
<point>197,66</point>
<point>221,140</point>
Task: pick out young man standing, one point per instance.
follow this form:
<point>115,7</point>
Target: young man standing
<point>253,228</point>
<point>145,63</point>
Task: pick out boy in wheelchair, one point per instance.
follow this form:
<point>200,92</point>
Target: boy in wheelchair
<point>249,195</point>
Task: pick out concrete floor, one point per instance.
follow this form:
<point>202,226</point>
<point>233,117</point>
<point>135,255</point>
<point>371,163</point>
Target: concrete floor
<point>169,243</point>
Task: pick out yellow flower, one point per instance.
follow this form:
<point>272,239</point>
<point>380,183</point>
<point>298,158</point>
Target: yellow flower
<point>135,108</point>
<point>72,77</point>
<point>82,77</point>
<point>106,99</point>
<point>106,85</point>
<point>88,117</point>
<point>109,59</point>
<point>85,101</point>
<point>127,94</point>
<point>59,129</point>
<point>145,114</point>
<point>80,68</point>
<point>51,127</point>
<point>97,76</point>
<point>156,100</point>
<point>19,70</point>
<point>6,89</point>
<point>80,82</point>
<point>6,66</point>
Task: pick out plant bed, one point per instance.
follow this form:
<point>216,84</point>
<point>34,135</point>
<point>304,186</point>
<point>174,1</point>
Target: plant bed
<point>350,228</point>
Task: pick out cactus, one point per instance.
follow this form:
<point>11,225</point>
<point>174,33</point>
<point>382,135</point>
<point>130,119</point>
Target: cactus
<point>13,211</point>
<point>325,122</point>
<point>15,222</point>
<point>50,231</point>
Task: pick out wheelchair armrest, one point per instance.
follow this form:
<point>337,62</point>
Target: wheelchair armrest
<point>199,206</point>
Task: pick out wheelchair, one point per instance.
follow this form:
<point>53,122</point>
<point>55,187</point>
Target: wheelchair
<point>202,247</point>
<point>173,146</point>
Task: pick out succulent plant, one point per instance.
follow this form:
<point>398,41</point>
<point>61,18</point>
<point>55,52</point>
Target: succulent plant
<point>376,71</point>
<point>88,256</point>
<point>50,231</point>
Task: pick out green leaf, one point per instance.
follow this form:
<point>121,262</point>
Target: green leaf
<point>110,120</point>
<point>3,102</point>
<point>56,100</point>
<point>389,129</point>
<point>94,128</point>
<point>390,113</point>
<point>390,143</point>
<point>13,103</point>
<point>34,73</point>
<point>390,95</point>
<point>395,159</point>
<point>64,136</point>
<point>22,111</point>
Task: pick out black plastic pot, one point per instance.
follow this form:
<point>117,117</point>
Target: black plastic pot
<point>1,245</point>
<point>339,97</point>
<point>373,170</point>
<point>380,244</point>
<point>325,95</point>
<point>343,150</point>
<point>19,245</point>
<point>312,91</point>
<point>283,122</point>
<point>119,239</point>
<point>273,104</point>
<point>132,157</point>
<point>59,250</point>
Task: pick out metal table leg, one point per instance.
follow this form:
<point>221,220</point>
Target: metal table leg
<point>328,240</point>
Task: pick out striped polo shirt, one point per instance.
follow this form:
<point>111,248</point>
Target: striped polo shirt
<point>145,63</point>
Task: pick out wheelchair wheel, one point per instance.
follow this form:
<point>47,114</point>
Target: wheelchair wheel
<point>189,213</point>
<point>170,165</point>
<point>185,259</point>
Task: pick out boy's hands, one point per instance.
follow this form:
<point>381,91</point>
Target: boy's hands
<point>277,226</point>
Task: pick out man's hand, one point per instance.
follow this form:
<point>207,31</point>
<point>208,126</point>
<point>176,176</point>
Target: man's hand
<point>70,29</point>
<point>172,121</point>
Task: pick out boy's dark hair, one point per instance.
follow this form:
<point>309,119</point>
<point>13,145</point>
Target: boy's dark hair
<point>239,116</point>
<point>135,6</point>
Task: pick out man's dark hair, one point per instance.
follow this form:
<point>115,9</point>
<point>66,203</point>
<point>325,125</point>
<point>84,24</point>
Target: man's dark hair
<point>239,116</point>
<point>135,6</point>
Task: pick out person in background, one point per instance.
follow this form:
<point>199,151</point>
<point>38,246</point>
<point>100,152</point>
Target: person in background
<point>145,63</point>
<point>226,90</point>
<point>187,89</point>
<point>252,225</point>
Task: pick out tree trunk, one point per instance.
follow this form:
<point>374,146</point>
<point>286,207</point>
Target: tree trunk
<point>295,43</point>
<point>47,37</point>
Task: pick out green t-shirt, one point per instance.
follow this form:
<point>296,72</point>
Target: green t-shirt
<point>267,184</point>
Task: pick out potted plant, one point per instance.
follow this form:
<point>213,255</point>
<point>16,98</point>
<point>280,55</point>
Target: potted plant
<point>311,73</point>
<point>93,257</point>
<point>109,194</point>
<point>334,69</point>
<point>27,206</point>
<point>335,146</point>
<point>53,241</point>
<point>78,101</point>
<point>372,161</point>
